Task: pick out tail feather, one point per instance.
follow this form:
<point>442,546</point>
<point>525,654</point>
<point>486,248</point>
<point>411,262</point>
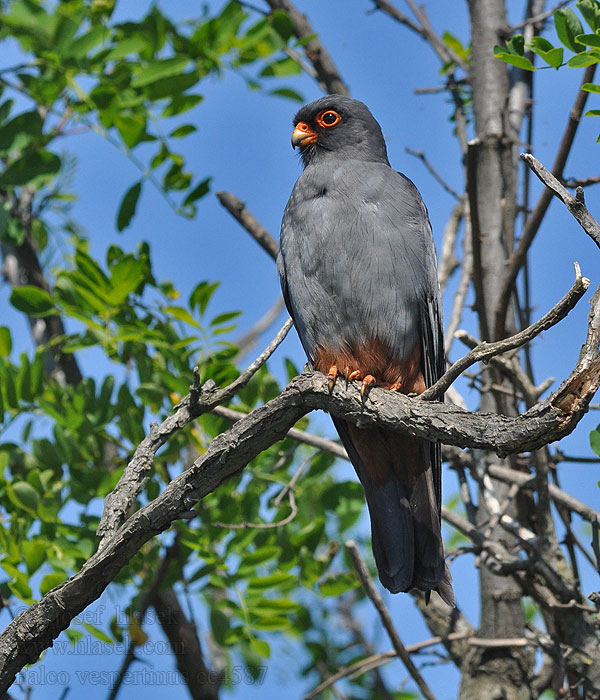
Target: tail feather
<point>396,474</point>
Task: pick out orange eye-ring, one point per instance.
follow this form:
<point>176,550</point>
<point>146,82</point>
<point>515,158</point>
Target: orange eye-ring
<point>328,118</point>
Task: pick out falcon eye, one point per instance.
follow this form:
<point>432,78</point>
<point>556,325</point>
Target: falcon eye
<point>328,118</point>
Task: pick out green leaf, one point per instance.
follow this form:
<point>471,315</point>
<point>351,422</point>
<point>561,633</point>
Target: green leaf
<point>84,44</point>
<point>260,647</point>
<point>201,295</point>
<point>590,87</point>
<point>455,44</point>
<point>168,87</point>
<point>288,93</point>
<point>595,440</point>
<point>34,554</point>
<point>23,495</point>
<point>181,314</point>
<point>590,9</point>
<point>5,109</point>
<point>98,633</point>
<point>20,131</point>
<point>50,581</point>
<point>128,206</point>
<point>553,58</point>
<point>125,47</point>
<point>282,24</point>
<point>32,300</point>
<point>260,555</point>
<point>131,128</point>
<point>199,191</point>
<point>24,378</point>
<point>5,342</point>
<point>265,582</point>
<point>272,624</point>
<point>182,131</point>
<point>7,383</point>
<point>31,169</point>
<point>588,39</point>
<point>281,68</point>
<point>160,69</point>
<point>568,27</point>
<point>219,623</point>
<point>223,318</point>
<point>544,49</point>
<point>592,113</point>
<point>513,59</point>
<point>126,276</point>
<point>337,584</point>
<point>582,60</point>
<point>539,42</point>
<point>180,104</point>
<point>516,45</point>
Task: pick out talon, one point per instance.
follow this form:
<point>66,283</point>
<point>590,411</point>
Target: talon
<point>332,376</point>
<point>396,386</point>
<point>368,382</point>
<point>357,374</point>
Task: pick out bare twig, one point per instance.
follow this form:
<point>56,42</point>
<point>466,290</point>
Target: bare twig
<point>248,340</point>
<point>423,158</point>
<point>485,351</point>
<point>584,182</point>
<point>532,225</point>
<point>556,493</point>
<point>263,526</point>
<point>238,210</point>
<point>537,19</point>
<point>449,262</point>
<point>377,601</point>
<point>466,273</point>
<point>575,204</point>
<point>375,660</point>
<point>423,29</point>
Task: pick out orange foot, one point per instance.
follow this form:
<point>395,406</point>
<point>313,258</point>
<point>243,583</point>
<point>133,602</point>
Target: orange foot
<point>396,386</point>
<point>332,376</point>
<point>368,382</point>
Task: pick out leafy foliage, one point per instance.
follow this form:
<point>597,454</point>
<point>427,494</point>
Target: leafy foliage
<point>63,446</point>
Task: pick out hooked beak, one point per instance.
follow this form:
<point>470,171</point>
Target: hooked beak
<point>303,135</point>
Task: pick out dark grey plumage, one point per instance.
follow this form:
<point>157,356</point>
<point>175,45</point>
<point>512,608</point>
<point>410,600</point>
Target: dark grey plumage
<point>358,273</point>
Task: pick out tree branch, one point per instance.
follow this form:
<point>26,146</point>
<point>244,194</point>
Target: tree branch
<point>328,75</point>
<point>200,400</point>
<point>575,204</point>
<point>377,600</point>
<point>485,351</point>
<point>532,225</point>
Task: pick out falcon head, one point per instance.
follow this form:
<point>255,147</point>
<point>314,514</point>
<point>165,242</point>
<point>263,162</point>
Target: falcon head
<point>338,126</point>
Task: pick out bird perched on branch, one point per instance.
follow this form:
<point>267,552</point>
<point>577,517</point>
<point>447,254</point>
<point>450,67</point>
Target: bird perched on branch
<point>358,273</point>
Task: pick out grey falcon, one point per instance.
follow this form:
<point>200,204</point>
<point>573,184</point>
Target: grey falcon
<point>358,273</point>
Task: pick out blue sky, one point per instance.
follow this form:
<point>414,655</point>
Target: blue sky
<point>243,142</point>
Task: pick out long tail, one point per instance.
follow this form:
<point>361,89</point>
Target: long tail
<point>397,475</point>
